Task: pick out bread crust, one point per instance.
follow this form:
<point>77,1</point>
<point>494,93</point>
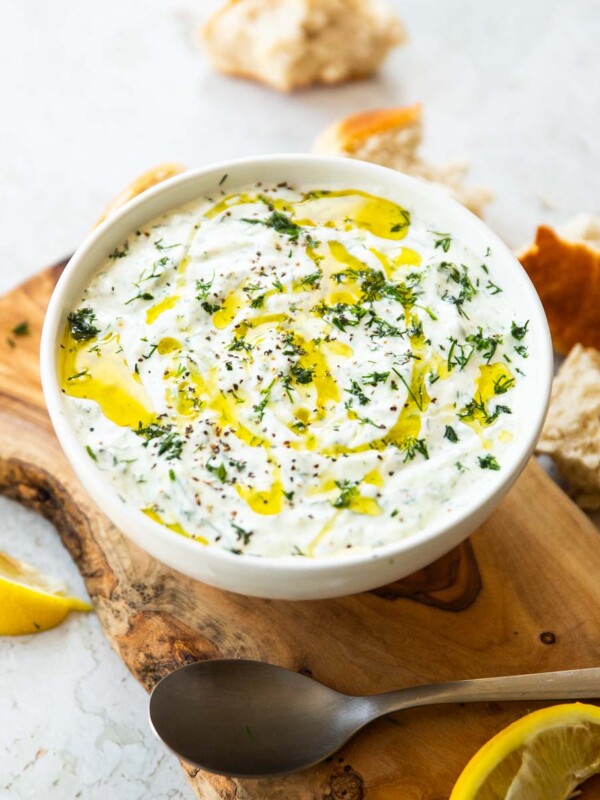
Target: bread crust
<point>571,434</point>
<point>345,134</point>
<point>145,181</point>
<point>566,275</point>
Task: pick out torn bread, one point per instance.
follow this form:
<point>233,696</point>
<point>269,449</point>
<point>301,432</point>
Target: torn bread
<point>571,434</point>
<point>290,44</point>
<point>564,266</point>
<point>143,182</point>
<point>392,137</point>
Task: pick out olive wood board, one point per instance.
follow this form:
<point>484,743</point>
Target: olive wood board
<point>522,595</point>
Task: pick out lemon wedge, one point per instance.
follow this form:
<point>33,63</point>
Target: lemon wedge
<point>542,756</point>
<point>31,602</point>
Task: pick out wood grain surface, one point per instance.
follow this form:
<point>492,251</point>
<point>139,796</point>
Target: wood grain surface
<point>523,595</point>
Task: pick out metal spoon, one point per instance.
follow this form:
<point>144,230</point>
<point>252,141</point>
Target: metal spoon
<point>250,719</point>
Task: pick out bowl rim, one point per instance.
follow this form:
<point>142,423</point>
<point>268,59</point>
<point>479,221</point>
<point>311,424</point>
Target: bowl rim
<point>106,496</point>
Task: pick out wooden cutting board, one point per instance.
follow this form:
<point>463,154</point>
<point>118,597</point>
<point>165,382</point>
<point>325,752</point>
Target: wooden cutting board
<point>523,595</point>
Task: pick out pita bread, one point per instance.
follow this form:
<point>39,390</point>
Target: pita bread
<point>571,434</point>
<point>564,267</point>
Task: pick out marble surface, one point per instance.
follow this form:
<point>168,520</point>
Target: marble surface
<point>93,94</point>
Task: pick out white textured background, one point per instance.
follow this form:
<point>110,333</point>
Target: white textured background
<point>91,94</point>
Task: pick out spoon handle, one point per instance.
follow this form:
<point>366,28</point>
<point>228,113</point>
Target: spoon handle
<point>572,684</point>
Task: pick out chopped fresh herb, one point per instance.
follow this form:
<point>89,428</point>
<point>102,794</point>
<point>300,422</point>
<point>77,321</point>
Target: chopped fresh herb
<point>210,308</point>
<point>260,407</point>
<point>302,374</point>
<point>287,386</point>
<point>277,284</point>
<point>342,315</point>
<point>297,551</point>
<point>485,344</point>
<point>381,328</point>
<point>342,321</point>
<point>348,493</point>
<point>519,331</point>
<point>493,288</point>
<point>289,495</point>
<point>258,301</point>
<point>280,223</point>
<point>444,240</point>
<point>416,330</point>
<point>503,383</point>
<point>150,353</point>
<point>488,462</point>
<point>458,354</point>
<point>292,348</point>
<point>375,286</point>
<point>81,323</point>
<point>120,253</point>
<point>240,343</point>
<point>21,329</point>
<point>169,442</point>
<point>250,288</point>
<point>91,453</point>
<point>220,471</point>
<point>160,246</point>
<point>78,375</point>
<point>140,296</point>
<point>477,409</point>
<point>357,392</point>
<point>158,269</point>
<point>428,311</point>
<point>172,475</point>
<point>312,280</point>
<point>367,421</point>
<point>417,400</point>
<point>374,378</point>
<point>522,351</point>
<point>450,434</point>
<point>460,277</point>
<point>400,226</point>
<point>203,288</point>
<point>410,446</point>
<point>223,179</point>
<point>243,536</point>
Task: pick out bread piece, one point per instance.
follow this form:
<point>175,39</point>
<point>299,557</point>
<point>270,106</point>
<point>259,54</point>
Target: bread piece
<point>391,137</point>
<point>564,265</point>
<point>289,44</point>
<point>571,435</point>
<point>140,184</point>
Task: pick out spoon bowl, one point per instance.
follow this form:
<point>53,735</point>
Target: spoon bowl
<point>246,718</point>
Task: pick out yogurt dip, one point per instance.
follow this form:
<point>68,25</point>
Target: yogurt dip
<point>281,370</point>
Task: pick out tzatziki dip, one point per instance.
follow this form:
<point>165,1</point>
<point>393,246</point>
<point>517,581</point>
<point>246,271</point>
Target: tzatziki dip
<point>295,371</point>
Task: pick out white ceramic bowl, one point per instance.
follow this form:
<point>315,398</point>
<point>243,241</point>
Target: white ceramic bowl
<point>298,578</point>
